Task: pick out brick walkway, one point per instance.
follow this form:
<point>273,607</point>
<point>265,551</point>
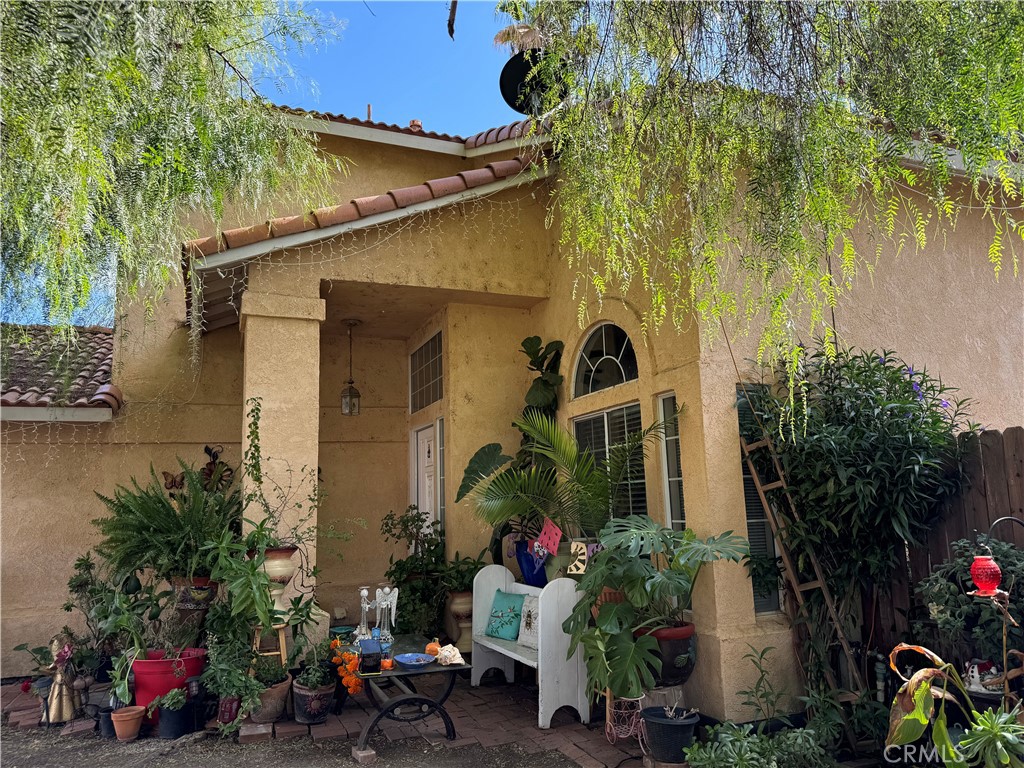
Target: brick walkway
<point>491,716</point>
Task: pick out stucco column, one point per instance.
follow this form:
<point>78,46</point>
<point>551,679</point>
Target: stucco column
<point>281,353</point>
<point>723,603</point>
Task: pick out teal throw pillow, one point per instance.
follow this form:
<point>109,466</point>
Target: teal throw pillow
<point>506,616</point>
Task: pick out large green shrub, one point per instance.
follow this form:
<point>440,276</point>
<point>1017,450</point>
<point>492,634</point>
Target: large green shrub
<point>870,451</point>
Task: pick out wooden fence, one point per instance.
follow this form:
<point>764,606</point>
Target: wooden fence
<point>995,468</point>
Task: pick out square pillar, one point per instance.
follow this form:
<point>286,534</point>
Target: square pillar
<point>281,353</point>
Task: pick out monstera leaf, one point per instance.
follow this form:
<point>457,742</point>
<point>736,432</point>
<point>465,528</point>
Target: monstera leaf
<point>632,662</point>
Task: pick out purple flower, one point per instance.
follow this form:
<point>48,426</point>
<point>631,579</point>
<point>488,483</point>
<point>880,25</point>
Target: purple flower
<point>917,387</point>
<point>909,371</point>
<point>881,359</point>
<point>944,403</point>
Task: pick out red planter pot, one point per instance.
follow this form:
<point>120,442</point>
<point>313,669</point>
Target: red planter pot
<point>155,675</point>
<point>227,709</point>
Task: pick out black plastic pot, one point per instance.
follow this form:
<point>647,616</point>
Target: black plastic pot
<point>667,737</point>
<point>175,723</point>
<point>106,724</point>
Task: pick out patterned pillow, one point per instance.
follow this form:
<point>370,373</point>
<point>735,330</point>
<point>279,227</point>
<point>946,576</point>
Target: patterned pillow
<point>529,631</point>
<point>506,615</point>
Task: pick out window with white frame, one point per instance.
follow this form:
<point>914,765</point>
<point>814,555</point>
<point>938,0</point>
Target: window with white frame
<point>673,464</point>
<point>598,433</point>
<point>606,359</point>
<point>759,531</point>
<point>425,374</point>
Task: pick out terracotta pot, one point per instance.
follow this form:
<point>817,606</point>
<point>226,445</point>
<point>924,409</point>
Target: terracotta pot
<point>460,606</point>
<point>272,701</point>
<point>312,705</point>
<point>127,722</point>
<point>608,595</point>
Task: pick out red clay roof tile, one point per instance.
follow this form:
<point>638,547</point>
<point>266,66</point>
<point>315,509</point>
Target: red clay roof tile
<point>407,196</point>
<point>40,368</point>
<point>449,185</point>
<point>336,214</point>
<point>505,168</point>
<point>478,177</point>
<point>235,238</point>
<point>205,246</point>
<point>290,225</point>
<point>369,206</point>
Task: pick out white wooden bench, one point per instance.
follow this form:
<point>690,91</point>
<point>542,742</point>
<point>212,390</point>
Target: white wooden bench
<point>562,681</point>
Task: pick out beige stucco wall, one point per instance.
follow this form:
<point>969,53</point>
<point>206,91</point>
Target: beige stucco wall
<point>50,473</point>
<point>941,308</point>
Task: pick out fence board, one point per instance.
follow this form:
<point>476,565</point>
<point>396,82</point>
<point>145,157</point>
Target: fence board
<point>994,465</point>
<point>1013,455</point>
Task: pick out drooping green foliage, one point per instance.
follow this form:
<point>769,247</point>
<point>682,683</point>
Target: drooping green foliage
<point>749,159</point>
<point>870,451</point>
<point>122,118</point>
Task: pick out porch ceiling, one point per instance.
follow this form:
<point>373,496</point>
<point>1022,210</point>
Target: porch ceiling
<point>398,311</point>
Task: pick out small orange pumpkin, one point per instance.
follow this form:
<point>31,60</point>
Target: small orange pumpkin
<point>433,648</point>
<point>387,664</point>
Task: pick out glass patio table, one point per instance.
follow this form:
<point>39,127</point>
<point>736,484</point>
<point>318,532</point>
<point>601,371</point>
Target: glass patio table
<point>408,705</point>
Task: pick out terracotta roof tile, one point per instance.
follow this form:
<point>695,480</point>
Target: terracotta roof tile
<point>407,196</point>
<point>414,129</point>
<point>369,206</point>
<point>41,370</point>
<point>205,246</point>
<point>336,214</point>
<point>362,207</point>
<point>478,177</point>
<point>449,185</point>
<point>290,225</point>
<point>236,238</point>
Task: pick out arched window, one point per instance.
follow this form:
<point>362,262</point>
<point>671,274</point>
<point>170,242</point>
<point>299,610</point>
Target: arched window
<point>606,359</point>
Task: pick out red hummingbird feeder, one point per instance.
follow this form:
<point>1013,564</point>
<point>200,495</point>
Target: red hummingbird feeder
<point>986,575</point>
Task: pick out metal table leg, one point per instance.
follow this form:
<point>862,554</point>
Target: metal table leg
<point>406,708</point>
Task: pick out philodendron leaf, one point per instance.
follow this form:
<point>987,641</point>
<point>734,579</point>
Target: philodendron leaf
<point>485,462</point>
<point>632,662</point>
<point>907,725</point>
<point>940,737</point>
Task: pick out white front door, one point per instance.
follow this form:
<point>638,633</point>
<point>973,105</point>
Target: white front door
<point>426,453</point>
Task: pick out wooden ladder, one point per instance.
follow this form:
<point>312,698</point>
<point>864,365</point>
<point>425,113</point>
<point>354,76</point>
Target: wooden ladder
<point>799,588</point>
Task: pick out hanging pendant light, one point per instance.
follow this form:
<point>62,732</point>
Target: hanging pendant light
<point>350,395</point>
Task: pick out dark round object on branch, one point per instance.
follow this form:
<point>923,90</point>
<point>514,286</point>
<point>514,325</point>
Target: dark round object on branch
<point>521,92</point>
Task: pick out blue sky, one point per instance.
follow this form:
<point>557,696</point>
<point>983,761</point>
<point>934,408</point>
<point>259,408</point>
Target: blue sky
<point>398,57</point>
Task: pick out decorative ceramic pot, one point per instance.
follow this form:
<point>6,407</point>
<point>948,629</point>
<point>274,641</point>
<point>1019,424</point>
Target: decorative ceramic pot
<point>127,722</point>
<point>312,705</point>
<point>272,701</point>
<point>227,709</point>
<point>674,642</point>
<point>460,605</point>
<point>193,598</point>
<point>280,570</point>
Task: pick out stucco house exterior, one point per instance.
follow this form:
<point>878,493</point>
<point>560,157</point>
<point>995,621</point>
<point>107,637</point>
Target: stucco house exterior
<point>439,247</point>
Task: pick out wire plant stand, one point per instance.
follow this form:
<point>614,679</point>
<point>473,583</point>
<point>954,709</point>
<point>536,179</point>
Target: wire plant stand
<point>621,718</point>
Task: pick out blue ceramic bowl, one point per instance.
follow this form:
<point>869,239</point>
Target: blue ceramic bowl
<point>414,660</point>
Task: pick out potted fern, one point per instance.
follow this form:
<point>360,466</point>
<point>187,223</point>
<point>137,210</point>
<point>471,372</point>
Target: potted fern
<point>163,527</point>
